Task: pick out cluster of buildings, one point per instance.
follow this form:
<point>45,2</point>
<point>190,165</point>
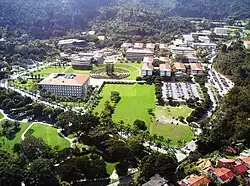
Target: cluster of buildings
<point>137,51</point>
<point>223,172</point>
<point>65,85</point>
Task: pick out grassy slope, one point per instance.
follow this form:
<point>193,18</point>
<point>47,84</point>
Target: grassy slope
<point>28,86</point>
<point>49,135</point>
<point>135,101</point>
<point>170,112</point>
<point>48,70</point>
<point>7,144</point>
<point>1,116</point>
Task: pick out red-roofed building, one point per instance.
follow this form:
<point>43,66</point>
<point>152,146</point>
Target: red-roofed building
<point>236,166</point>
<point>147,69</point>
<point>196,68</point>
<point>246,161</point>
<point>165,70</point>
<point>180,69</point>
<point>194,180</point>
<point>222,175</point>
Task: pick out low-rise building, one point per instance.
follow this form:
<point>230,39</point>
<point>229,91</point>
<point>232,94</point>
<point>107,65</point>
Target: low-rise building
<point>196,68</point>
<point>221,31</point>
<point>234,165</point>
<point>65,85</point>
<point>204,39</point>
<point>204,45</point>
<point>188,39</point>
<point>222,175</point>
<point>148,60</point>
<point>246,161</point>
<point>75,42</point>
<point>247,44</point>
<point>138,54</point>
<point>180,69</point>
<point>82,63</point>
<point>147,69</point>
<point>178,42</point>
<point>126,45</point>
<point>165,70</point>
<point>186,58</point>
<point>163,47</point>
<point>164,59</point>
<point>182,50</point>
<point>138,45</point>
<point>150,46</point>
<point>156,180</point>
<point>194,180</point>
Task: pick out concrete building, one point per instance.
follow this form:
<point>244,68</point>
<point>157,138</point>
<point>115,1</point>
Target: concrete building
<point>196,69</point>
<point>82,63</point>
<point>138,45</point>
<point>126,45</point>
<point>191,58</point>
<point>164,59</point>
<point>221,31</point>
<point>247,44</point>
<point>150,46</point>
<point>165,70</point>
<point>204,45</point>
<point>163,47</point>
<point>148,60</point>
<point>74,42</point>
<point>188,39</point>
<point>156,180</point>
<point>138,54</point>
<point>178,42</point>
<point>65,85</point>
<point>147,69</point>
<point>204,39</point>
<point>182,50</point>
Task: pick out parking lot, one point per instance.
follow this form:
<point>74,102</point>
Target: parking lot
<point>181,91</point>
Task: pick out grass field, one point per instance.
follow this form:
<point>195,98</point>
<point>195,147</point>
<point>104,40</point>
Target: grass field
<point>7,144</point>
<point>170,112</point>
<point>174,132</point>
<point>31,85</point>
<point>71,70</point>
<point>49,135</point>
<point>135,100</point>
<point>133,69</point>
<point>1,115</point>
<point>48,70</point>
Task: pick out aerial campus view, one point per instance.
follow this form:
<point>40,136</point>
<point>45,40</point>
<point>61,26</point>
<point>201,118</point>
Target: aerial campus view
<point>124,93</point>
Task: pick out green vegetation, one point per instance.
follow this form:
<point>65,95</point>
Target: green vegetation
<point>133,68</point>
<point>173,132</point>
<point>49,135</point>
<point>51,69</point>
<point>110,167</point>
<point>7,144</point>
<point>170,112</point>
<point>1,115</point>
<point>135,100</point>
<point>29,84</point>
<point>71,70</point>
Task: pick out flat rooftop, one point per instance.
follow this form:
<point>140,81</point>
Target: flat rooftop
<point>65,79</point>
<point>144,51</point>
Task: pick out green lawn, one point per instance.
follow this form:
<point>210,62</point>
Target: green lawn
<point>170,112</point>
<point>135,100</point>
<point>1,115</point>
<point>133,69</point>
<point>49,135</point>
<point>7,144</point>
<point>30,85</point>
<point>48,70</point>
<point>110,167</point>
<point>71,70</point>
<point>174,132</point>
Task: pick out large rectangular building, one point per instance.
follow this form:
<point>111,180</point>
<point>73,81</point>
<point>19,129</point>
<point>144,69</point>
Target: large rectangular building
<point>138,54</point>
<point>221,31</point>
<point>65,85</point>
<point>182,50</point>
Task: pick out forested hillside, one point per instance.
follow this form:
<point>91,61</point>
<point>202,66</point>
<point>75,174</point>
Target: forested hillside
<point>49,18</point>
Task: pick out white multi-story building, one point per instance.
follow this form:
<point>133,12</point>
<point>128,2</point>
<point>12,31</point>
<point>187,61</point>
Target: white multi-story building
<point>71,42</point>
<point>126,45</point>
<point>165,70</point>
<point>247,44</point>
<point>65,85</point>
<point>138,45</point>
<point>163,47</point>
<point>204,39</point>
<point>221,31</point>
<point>150,46</point>
<point>138,54</point>
<point>204,45</point>
<point>182,50</point>
<point>188,39</point>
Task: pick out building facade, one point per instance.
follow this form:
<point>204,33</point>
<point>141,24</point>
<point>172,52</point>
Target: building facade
<point>165,70</point>
<point>221,31</point>
<point>138,54</point>
<point>65,85</point>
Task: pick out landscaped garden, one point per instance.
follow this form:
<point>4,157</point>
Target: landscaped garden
<point>135,102</point>
<point>29,84</point>
<point>51,69</point>
<point>49,135</point>
<point>8,144</point>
